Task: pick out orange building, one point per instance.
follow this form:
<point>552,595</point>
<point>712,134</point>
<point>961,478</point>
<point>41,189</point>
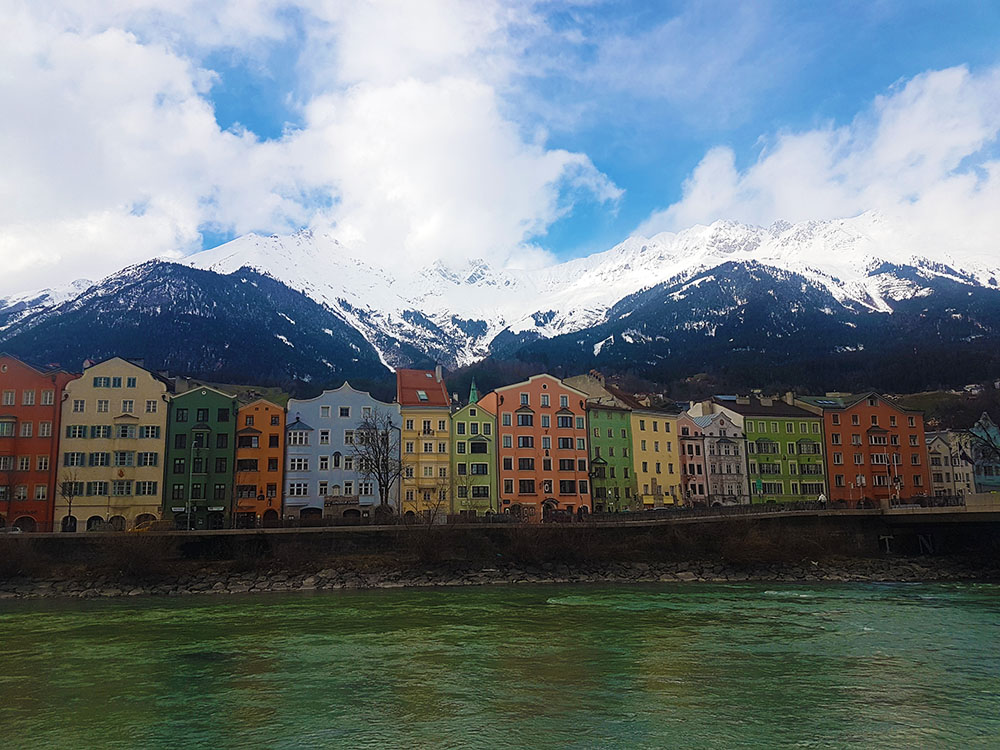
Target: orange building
<point>260,446</point>
<point>876,451</point>
<point>30,406</point>
<point>542,451</point>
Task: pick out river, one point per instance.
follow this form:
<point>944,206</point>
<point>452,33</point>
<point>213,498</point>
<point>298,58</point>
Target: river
<point>658,666</point>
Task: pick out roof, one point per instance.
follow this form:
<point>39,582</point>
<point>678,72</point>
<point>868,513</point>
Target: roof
<point>631,402</point>
<point>421,388</point>
<point>847,400</point>
<point>778,407</point>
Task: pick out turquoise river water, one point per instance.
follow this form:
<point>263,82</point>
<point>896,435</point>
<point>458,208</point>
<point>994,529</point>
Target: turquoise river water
<point>660,666</point>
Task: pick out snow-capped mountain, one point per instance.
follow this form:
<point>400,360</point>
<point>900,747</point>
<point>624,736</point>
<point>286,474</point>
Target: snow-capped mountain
<point>457,314</point>
<point>664,305</point>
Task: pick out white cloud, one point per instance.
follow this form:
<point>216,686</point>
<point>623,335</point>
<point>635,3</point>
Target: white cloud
<point>921,153</point>
<point>113,154</point>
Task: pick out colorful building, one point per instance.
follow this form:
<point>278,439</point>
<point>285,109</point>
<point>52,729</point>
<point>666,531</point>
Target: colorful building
<point>985,445</point>
<point>784,446</point>
<point>653,469</point>
<point>425,410</point>
<point>952,469</point>
<point>876,449</point>
<point>323,472</point>
<point>725,467</point>
<point>694,470</point>
<point>30,425</point>
<point>112,448</point>
<point>260,453</point>
<point>612,479</point>
<point>543,452</point>
<point>201,448</point>
<point>475,488</point>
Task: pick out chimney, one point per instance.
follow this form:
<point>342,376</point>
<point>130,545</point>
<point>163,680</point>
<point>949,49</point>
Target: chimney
<point>766,401</point>
<point>744,400</point>
<point>437,373</point>
<point>789,398</point>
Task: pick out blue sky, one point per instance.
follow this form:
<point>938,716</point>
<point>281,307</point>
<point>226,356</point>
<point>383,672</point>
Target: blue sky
<point>523,131</point>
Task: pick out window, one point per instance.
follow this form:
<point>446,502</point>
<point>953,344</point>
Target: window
<point>128,406</point>
<point>48,398</point>
<point>124,458</point>
<point>79,405</point>
<point>479,469</point>
<point>26,429</point>
<point>505,419</point>
<point>581,444</point>
<point>545,400</point>
<point>147,458</point>
<point>28,398</point>
<point>272,464</point>
<point>298,464</point>
<point>565,422</point>
<point>565,443</point>
<point>564,402</point>
<point>201,415</point>
<point>580,426</point>
<point>298,489</point>
<point>298,437</point>
<point>525,441</point>
<point>44,429</point>
<point>272,441</point>
<point>180,415</point>
<point>126,431</point>
<point>221,465</point>
<point>508,486</point>
<point>507,441</point>
<point>179,465</point>
<point>121,487</point>
<point>180,441</point>
<point>43,463</point>
<point>145,488</point>
<point>99,488</point>
<point>526,464</point>
<point>524,399</point>
<point>75,431</point>
<point>222,415</point>
<point>525,420</point>
<point>477,447</point>
<point>102,405</point>
<point>526,487</point>
<point>8,398</point>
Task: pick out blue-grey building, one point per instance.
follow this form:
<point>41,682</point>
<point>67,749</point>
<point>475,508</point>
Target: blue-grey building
<point>322,476</point>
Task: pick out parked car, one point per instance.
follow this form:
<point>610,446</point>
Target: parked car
<point>10,530</point>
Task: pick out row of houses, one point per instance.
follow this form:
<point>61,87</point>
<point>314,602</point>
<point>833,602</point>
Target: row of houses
<point>120,445</point>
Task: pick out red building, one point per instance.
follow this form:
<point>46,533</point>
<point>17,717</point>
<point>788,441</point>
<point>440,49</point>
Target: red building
<point>30,405</point>
<point>876,449</point>
<point>543,453</point>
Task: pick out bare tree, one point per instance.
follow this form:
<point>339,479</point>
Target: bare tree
<point>984,437</point>
<point>377,454</point>
<point>69,489</point>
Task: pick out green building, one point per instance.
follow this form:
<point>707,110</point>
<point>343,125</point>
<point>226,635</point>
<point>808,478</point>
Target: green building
<point>785,455</point>
<point>474,459</point>
<point>201,446</point>
<point>609,427</point>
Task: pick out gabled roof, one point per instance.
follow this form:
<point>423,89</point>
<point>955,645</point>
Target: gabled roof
<point>155,375</point>
<point>421,388</point>
<point>847,400</point>
<point>298,424</point>
<point>201,387</point>
<point>542,376</point>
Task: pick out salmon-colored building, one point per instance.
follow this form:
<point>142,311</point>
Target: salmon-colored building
<point>260,446</point>
<point>542,451</point>
<point>694,471</point>
<point>876,450</point>
<point>30,407</point>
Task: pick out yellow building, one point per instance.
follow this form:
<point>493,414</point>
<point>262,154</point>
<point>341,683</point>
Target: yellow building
<point>656,456</point>
<point>112,448</point>
<point>425,443</point>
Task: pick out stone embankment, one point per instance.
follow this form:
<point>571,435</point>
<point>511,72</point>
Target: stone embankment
<point>209,581</point>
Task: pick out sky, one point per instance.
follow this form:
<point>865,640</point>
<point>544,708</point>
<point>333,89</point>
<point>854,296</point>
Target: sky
<point>521,132</point>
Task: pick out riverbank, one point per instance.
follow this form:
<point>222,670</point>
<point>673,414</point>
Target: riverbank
<point>373,573</point>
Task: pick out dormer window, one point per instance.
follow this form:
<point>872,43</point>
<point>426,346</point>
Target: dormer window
<point>422,395</point>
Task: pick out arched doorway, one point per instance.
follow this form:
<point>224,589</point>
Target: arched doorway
<point>311,516</point>
<point>216,520</point>
<point>69,524</point>
<point>116,523</point>
<point>26,524</point>
<point>95,523</point>
<point>3,522</point>
<point>549,506</point>
<point>181,521</point>
<point>144,518</point>
<point>270,519</point>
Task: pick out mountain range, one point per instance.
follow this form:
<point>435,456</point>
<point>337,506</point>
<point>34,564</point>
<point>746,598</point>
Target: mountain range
<point>821,304</point>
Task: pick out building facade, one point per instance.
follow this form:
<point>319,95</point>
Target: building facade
<point>474,459</point>
<point>543,451</point>
<point>725,460</point>
<point>612,479</point>
<point>876,449</point>
<point>201,449</point>
<point>985,443</point>
<point>694,470</point>
<point>784,446</point>
<point>112,448</point>
<point>952,469</point>
<point>425,410</point>
<point>260,454</point>
<point>323,472</point>
<point>30,424</point>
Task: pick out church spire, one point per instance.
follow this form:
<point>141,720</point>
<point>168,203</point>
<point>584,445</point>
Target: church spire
<point>473,393</point>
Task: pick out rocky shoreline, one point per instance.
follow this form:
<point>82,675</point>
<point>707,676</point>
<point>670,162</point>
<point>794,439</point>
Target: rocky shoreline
<point>214,581</point>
